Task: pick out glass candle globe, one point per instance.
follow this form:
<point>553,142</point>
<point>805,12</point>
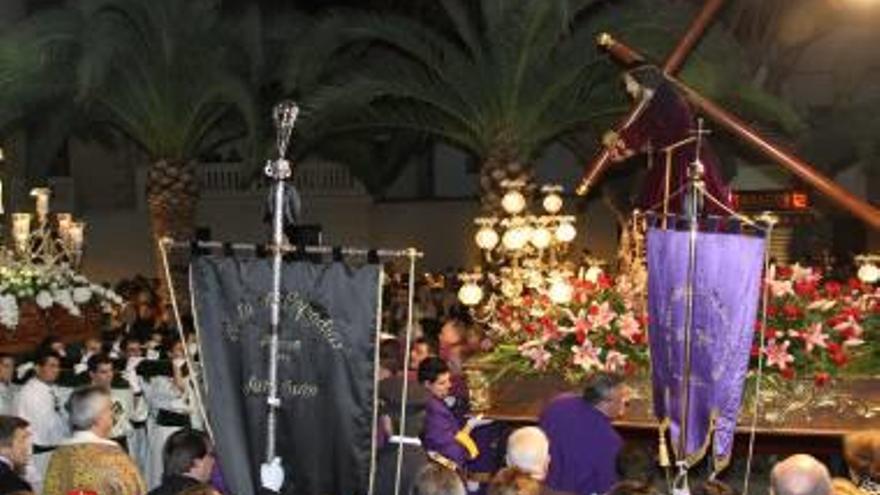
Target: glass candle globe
<point>470,294</point>
<point>541,238</point>
<point>487,238</point>
<point>560,292</point>
<point>513,202</point>
<point>565,232</point>
<point>515,239</point>
<point>869,273</point>
<point>553,203</point>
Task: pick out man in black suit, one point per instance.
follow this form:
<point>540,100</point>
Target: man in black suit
<point>15,454</point>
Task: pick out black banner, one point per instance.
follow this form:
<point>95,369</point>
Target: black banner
<point>326,370</point>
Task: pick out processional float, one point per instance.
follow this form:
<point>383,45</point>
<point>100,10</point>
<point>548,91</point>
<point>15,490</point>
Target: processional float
<point>309,400</point>
<point>683,294</point>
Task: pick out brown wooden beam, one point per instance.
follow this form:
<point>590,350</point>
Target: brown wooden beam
<point>692,36</point>
<point>805,171</point>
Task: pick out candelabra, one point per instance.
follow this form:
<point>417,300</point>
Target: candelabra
<point>47,241</point>
<point>522,252</point>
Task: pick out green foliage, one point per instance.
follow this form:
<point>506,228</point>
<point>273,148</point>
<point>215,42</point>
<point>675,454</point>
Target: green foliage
<point>513,74</point>
<point>159,72</point>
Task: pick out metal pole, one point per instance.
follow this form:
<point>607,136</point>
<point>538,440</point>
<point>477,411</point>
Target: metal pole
<point>279,170</point>
<point>695,186</point>
<point>404,394</point>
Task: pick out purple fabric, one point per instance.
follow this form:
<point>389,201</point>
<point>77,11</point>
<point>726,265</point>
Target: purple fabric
<point>217,478</point>
<point>726,291</point>
<point>438,434</point>
<point>583,446</point>
<point>667,120</point>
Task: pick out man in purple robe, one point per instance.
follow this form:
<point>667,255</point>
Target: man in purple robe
<point>583,443</point>
<point>444,432</point>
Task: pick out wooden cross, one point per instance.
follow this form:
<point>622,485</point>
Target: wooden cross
<point>724,119</point>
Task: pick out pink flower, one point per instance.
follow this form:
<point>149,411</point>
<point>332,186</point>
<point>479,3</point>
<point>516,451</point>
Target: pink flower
<point>781,288</point>
<point>778,355</point>
<point>586,356</point>
<point>615,362</point>
<point>601,315</point>
<point>851,332</point>
<point>814,337</point>
<point>804,274</point>
<point>534,350</point>
<point>629,327</point>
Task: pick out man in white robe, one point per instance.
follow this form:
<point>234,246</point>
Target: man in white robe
<point>38,403</point>
<point>8,390</point>
<point>170,411</point>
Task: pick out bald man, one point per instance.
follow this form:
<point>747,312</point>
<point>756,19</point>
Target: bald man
<point>800,474</point>
<point>528,450</point>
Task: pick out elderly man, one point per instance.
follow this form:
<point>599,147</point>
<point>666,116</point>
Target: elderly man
<point>800,474</point>
<point>39,404</point>
<point>15,455</point>
<point>583,443</point>
<point>528,449</point>
<point>89,460</point>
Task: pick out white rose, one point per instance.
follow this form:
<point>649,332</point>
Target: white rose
<point>81,295</point>
<point>44,300</point>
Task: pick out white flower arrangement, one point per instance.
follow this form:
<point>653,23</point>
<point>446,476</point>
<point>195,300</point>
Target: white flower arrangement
<point>47,287</point>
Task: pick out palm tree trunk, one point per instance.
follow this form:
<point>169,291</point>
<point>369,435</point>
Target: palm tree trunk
<point>172,197</point>
<point>501,165</point>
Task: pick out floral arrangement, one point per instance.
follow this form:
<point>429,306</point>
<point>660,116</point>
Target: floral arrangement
<point>46,286</point>
<point>598,329</point>
<point>816,328</point>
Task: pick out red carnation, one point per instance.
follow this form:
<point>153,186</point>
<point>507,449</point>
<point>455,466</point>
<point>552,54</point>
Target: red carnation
<point>792,312</point>
<point>610,340</point>
<point>855,284</point>
<point>788,373</point>
<point>805,288</point>
<point>604,281</point>
<point>772,311</point>
<point>594,310</point>
<point>839,358</point>
<point>580,336</point>
<point>821,379</point>
<point>756,351</point>
<point>530,328</point>
<point>783,272</point>
<point>833,289</point>
<point>639,338</point>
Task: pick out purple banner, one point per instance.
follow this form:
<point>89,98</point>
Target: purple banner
<point>726,292</point>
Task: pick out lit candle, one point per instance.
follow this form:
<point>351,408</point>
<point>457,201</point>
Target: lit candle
<point>21,230</point>
<point>75,231</point>
<point>64,221</point>
<point>42,197</point>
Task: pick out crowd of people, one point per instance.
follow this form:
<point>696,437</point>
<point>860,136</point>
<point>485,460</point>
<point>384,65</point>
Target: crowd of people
<point>114,415</point>
<point>118,415</point>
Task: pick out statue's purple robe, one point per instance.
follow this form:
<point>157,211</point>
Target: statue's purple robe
<point>440,427</point>
<point>665,120</point>
<point>583,446</point>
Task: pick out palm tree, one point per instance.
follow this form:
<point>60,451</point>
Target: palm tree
<point>157,72</point>
<point>501,80</point>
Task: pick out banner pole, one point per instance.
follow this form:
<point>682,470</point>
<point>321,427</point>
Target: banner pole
<point>404,393</point>
<point>279,170</point>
